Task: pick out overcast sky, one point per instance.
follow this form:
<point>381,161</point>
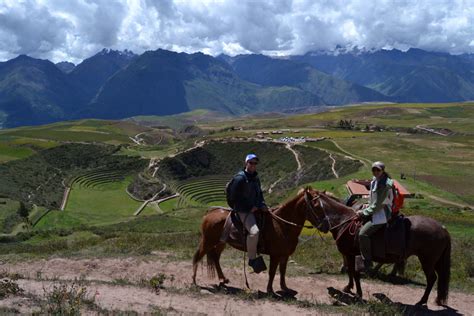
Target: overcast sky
<point>76,29</point>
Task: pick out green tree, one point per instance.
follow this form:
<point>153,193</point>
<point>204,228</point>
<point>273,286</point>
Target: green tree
<point>23,210</point>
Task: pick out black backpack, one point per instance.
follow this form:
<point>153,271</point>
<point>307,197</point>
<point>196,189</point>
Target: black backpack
<point>230,196</point>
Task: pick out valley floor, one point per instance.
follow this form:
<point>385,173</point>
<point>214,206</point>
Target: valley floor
<point>123,285</point>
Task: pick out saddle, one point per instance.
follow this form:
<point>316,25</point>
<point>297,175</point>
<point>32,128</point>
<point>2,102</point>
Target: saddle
<point>235,233</point>
<point>391,240</point>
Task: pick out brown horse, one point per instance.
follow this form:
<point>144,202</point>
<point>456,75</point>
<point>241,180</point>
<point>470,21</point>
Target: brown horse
<point>427,239</point>
<point>280,237</point>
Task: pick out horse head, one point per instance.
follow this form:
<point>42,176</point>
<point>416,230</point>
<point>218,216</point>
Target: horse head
<point>315,209</point>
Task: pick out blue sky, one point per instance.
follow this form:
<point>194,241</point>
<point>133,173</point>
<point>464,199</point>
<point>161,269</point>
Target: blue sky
<point>76,29</point>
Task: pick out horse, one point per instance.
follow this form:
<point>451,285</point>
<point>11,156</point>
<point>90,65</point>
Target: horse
<point>282,227</point>
<point>427,239</point>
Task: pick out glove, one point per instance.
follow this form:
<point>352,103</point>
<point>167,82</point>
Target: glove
<point>360,214</point>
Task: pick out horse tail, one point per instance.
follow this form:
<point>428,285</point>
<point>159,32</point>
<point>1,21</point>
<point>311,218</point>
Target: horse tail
<point>443,269</point>
<point>197,256</point>
<point>212,259</point>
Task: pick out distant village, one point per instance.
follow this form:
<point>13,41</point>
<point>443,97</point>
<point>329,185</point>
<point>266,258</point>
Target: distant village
<point>265,136</point>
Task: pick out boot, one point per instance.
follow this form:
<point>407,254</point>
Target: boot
<point>258,264</point>
<point>363,264</point>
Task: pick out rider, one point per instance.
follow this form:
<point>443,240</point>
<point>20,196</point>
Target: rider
<point>248,196</point>
<point>378,210</point>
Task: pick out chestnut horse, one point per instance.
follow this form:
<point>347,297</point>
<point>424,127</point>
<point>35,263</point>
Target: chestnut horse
<point>280,236</point>
<point>427,239</point>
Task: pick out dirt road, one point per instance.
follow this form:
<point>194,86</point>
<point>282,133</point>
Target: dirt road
<point>117,284</point>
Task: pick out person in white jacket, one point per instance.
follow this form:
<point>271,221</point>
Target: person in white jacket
<point>378,211</point>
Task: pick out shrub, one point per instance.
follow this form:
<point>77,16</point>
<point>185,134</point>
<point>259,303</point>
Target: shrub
<point>65,300</point>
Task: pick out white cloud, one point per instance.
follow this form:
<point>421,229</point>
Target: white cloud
<point>75,29</point>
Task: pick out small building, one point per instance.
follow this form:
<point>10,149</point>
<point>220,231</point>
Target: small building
<point>360,188</point>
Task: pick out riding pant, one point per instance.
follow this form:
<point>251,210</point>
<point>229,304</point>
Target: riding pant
<point>364,238</point>
<point>250,224</point>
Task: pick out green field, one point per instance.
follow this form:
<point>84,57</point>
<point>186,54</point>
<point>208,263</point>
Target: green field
<point>90,206</point>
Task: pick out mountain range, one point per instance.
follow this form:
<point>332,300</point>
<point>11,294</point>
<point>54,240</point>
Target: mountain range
<point>119,84</point>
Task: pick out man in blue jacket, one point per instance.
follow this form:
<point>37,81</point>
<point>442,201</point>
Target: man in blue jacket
<point>247,198</point>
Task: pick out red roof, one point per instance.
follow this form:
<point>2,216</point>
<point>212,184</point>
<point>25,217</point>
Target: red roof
<point>361,187</point>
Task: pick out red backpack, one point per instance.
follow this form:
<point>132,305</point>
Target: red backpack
<point>398,199</point>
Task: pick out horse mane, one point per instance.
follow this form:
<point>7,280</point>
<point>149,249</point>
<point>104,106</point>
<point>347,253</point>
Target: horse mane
<point>291,200</point>
<point>331,198</point>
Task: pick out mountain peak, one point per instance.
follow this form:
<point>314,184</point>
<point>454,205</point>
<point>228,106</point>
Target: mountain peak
<point>111,52</point>
<point>65,66</point>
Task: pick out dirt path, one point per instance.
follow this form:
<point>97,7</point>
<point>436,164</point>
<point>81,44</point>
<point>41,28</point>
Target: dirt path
<point>333,166</point>
<point>153,198</point>
<point>297,156</point>
<point>440,199</point>
<point>429,130</point>
<point>136,139</point>
<point>115,284</point>
<point>65,198</point>
<point>298,169</point>
<point>351,155</point>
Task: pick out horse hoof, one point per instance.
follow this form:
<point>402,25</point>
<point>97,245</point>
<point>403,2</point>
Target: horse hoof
<point>289,292</point>
<point>271,293</point>
<point>224,282</point>
<point>421,304</point>
<point>347,289</point>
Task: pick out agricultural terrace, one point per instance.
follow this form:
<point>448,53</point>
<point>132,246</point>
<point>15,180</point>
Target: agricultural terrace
<point>94,201</point>
<point>42,178</point>
<point>200,174</point>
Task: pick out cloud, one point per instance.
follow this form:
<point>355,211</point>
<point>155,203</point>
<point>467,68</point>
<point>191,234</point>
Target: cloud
<point>75,29</point>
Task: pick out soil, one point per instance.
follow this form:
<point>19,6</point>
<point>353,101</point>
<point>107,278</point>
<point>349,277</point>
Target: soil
<point>117,285</point>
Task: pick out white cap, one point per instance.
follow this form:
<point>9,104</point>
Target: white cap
<point>379,165</point>
<point>250,157</point>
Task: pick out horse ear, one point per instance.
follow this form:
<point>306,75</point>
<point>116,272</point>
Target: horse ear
<point>309,188</point>
<point>324,192</point>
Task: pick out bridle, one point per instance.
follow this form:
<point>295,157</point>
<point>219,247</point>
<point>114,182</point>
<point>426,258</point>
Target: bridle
<point>313,214</point>
<point>326,219</point>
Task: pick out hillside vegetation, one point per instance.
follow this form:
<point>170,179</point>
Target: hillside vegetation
<point>41,179</point>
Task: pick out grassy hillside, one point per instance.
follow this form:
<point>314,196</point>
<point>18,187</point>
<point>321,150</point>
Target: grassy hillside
<point>434,164</point>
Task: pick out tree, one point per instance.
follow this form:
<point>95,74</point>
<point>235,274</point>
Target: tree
<point>23,210</point>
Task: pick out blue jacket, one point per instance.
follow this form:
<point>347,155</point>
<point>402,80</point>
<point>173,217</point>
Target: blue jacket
<point>247,192</point>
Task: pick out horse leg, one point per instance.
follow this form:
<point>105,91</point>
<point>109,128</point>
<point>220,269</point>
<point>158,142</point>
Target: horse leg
<point>271,273</point>
<point>217,255</point>
<point>430,274</point>
<point>350,264</point>
<point>200,253</point>
<point>357,283</point>
<point>284,288</point>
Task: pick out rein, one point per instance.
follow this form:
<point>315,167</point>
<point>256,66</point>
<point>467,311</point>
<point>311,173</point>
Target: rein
<point>288,222</point>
